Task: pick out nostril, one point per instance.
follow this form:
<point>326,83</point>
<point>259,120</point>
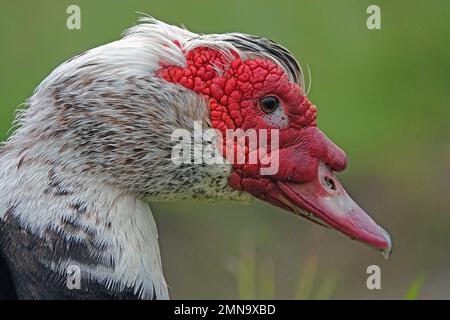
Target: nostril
<point>329,183</point>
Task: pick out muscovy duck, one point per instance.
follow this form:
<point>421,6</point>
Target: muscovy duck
<point>94,147</point>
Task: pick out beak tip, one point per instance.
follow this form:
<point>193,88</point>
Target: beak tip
<point>388,250</point>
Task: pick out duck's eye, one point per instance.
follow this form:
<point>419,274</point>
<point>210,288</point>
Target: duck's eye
<point>269,104</point>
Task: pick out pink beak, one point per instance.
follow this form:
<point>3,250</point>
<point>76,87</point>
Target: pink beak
<point>328,204</point>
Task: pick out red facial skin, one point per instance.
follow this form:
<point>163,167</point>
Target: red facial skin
<point>234,95</point>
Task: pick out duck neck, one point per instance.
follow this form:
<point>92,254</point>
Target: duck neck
<point>72,236</point>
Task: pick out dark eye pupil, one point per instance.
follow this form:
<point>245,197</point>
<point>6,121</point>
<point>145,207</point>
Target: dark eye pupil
<point>269,104</point>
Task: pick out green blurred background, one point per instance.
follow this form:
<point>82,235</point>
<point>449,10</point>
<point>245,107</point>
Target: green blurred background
<point>383,95</point>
